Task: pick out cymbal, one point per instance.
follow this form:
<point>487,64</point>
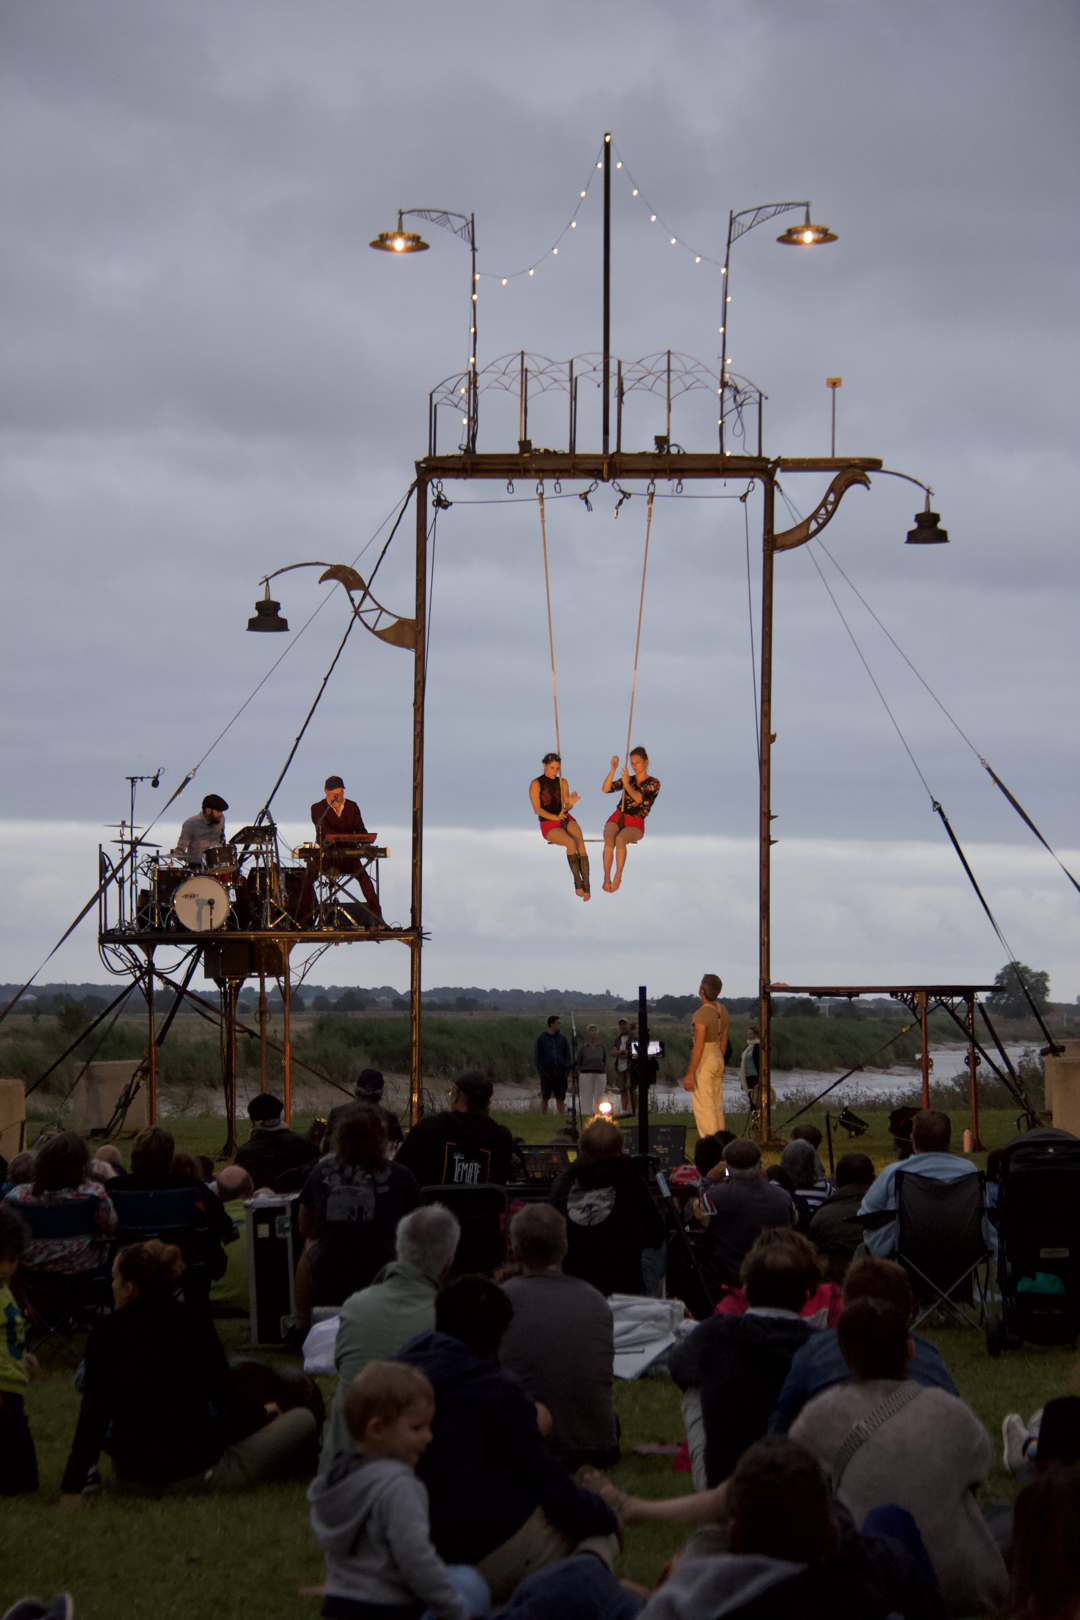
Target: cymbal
<point>128,840</point>
<point>126,824</point>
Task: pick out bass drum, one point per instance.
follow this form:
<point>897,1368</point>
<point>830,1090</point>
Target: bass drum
<point>200,905</point>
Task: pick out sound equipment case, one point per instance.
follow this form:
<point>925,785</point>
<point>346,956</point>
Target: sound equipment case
<point>273,1248</point>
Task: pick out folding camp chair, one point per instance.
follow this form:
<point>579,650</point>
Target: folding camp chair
<point>169,1213</point>
<point>57,1303</point>
<point>942,1244</point>
<point>483,1213</point>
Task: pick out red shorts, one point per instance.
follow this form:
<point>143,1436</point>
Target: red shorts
<point>628,821</point>
<point>548,826</point>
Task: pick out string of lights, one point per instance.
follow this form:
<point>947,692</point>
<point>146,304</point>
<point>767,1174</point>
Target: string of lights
<point>552,251</point>
<point>572,223</point>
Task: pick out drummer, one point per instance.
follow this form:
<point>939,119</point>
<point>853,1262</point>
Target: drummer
<point>200,832</point>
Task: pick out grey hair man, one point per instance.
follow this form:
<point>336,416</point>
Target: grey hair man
<point>561,1341</point>
<point>234,1183</point>
<point>742,1204</point>
<point>376,1322</point>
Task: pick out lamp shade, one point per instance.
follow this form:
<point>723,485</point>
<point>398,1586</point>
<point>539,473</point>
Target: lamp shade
<point>926,531</point>
<point>399,241</point>
<point>267,616</point>
<point>806,235</point>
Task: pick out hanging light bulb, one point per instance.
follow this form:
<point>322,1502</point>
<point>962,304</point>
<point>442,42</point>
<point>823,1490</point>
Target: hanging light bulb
<point>806,234</point>
<point>926,531</point>
<point>399,241</point>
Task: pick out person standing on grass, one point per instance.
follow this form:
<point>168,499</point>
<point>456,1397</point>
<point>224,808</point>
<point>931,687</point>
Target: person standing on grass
<point>553,1059</point>
<point>592,1072</point>
<point>620,1051</point>
<point>704,1077</point>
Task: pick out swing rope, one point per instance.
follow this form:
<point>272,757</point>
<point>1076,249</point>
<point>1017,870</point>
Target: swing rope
<point>641,610</point>
<point>551,635</point>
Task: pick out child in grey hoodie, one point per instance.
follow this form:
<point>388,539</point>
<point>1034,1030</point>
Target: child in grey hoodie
<point>370,1512</point>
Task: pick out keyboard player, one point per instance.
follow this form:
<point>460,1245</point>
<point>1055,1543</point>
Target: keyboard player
<point>336,817</point>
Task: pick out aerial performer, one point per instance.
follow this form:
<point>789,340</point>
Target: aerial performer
<point>552,801</point>
<point>627,825</point>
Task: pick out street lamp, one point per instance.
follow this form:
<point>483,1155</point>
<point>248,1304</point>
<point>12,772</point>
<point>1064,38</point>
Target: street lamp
<point>805,235</point>
<point>403,241</point>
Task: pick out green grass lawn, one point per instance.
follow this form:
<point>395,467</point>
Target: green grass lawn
<point>199,1558</point>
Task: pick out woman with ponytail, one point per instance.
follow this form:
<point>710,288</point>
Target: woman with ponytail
<point>159,1396</point>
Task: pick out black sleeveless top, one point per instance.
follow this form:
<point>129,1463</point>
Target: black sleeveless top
<point>550,797</point>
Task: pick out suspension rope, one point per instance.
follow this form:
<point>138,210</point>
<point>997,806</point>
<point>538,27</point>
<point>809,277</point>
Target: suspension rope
<point>641,610</point>
<point>551,634</point>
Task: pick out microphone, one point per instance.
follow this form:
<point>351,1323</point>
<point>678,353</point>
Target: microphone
<point>155,780</point>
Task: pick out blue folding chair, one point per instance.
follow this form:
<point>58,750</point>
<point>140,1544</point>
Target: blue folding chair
<point>57,1303</point>
<point>169,1213</point>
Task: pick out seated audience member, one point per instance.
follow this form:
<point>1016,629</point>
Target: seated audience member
<point>61,1173</point>
<point>230,1294</point>
<point>272,1149</point>
<point>931,1133</point>
<point>736,1365</point>
<point>157,1167</point>
<point>833,1229</point>
<point>811,1134</point>
<point>812,1186</point>
<point>781,1178</point>
<point>741,1206</point>
<point>820,1364</point>
<point>369,1512</point>
<point>825,1303</point>
<point>992,1179</point>
<point>396,1307</point>
<point>561,1342</point>
<point>610,1213</point>
<point>784,1550</point>
<point>498,1500</point>
<point>100,1171</point>
<point>368,1087</point>
<point>926,1451</point>
<point>462,1145</point>
<point>1044,1570</point>
<point>1052,1435</point>
<point>110,1154</point>
<point>688,1182</point>
<point>20,1169</point>
<point>18,1459</point>
<point>158,1395</point>
<point>349,1210</point>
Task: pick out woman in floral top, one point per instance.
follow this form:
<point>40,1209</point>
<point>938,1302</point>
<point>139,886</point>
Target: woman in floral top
<point>62,1173</point>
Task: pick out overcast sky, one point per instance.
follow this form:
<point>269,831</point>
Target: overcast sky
<point>208,375</point>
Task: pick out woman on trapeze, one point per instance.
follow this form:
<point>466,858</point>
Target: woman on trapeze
<point>627,825</point>
<point>552,801</point>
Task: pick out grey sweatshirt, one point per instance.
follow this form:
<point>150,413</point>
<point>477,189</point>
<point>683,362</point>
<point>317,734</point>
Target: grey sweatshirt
<point>370,1516</point>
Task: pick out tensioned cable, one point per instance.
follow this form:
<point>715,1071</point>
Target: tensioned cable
<point>937,808</point>
<point>641,610</point>
<point>528,269</point>
<point>873,679</point>
<point>551,633</point>
<point>1017,806</point>
<point>750,615</point>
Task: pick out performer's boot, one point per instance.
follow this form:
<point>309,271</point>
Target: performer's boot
<point>583,868</point>
<point>573,860</point>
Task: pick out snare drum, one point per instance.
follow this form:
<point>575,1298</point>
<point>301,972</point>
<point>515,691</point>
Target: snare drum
<point>201,904</point>
<point>220,858</point>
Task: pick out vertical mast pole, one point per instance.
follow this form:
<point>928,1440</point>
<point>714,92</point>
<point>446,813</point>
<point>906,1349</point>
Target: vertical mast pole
<point>416,1095</point>
<point>607,293</point>
<point>765,821</point>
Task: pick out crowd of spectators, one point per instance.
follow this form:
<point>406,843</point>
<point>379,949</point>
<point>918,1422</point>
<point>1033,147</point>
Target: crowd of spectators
<point>458,1468</point>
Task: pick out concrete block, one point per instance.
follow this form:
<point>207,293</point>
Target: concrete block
<point>1063,1087</point>
<point>12,1116</point>
<point>97,1093</point>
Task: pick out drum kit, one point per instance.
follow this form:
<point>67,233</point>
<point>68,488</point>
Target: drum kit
<point>179,899</point>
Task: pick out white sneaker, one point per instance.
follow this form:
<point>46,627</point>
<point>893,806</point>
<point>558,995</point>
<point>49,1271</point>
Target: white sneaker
<point>1015,1438</point>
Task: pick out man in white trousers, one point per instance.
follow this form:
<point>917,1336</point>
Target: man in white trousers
<point>704,1076</point>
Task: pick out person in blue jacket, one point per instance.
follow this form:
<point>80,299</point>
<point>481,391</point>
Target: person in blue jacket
<point>553,1060</point>
<point>499,1500</point>
<point>819,1364</point>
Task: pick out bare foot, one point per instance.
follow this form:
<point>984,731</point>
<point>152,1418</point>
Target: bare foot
<point>615,884</point>
<point>580,893</point>
<point>586,897</point>
<point>607,885</point>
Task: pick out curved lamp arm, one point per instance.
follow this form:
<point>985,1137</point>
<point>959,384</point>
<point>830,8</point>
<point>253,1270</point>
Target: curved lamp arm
<point>373,616</point>
<point>466,228</point>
